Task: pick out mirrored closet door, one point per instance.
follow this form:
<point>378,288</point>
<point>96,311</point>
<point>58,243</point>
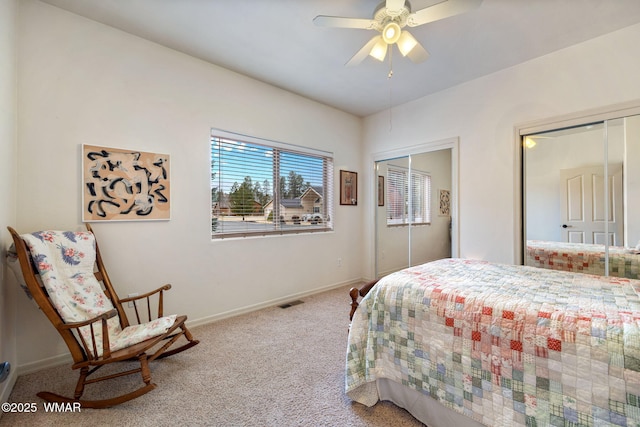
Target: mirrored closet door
<point>415,209</point>
<point>581,197</point>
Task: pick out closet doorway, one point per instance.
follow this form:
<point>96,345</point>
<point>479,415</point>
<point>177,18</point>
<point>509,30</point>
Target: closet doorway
<point>416,217</point>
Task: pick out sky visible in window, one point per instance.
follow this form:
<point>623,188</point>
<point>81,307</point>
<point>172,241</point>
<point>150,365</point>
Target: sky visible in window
<point>235,160</point>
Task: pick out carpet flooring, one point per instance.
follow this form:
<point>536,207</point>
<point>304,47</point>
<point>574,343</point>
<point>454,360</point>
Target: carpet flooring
<point>272,367</point>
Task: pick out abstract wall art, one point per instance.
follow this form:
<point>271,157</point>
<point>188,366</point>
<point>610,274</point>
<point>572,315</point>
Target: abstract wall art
<point>445,203</point>
<point>124,185</point>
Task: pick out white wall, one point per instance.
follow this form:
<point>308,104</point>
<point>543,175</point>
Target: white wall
<point>8,106</point>
<point>484,112</point>
<point>82,82</point>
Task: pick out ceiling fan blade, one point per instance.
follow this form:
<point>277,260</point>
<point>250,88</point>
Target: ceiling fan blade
<point>364,52</point>
<point>409,46</point>
<point>394,5</point>
<point>418,54</point>
<point>440,11</point>
<point>342,22</point>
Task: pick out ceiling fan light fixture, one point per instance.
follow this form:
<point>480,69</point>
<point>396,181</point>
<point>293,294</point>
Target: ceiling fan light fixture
<point>389,17</point>
<point>391,33</point>
<point>379,50</point>
<point>406,42</point>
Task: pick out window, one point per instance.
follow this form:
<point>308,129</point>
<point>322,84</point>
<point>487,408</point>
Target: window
<point>261,187</point>
<point>409,200</point>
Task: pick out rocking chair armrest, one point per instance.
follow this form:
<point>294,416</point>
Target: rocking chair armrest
<point>148,294</point>
<point>90,348</point>
<point>107,315</point>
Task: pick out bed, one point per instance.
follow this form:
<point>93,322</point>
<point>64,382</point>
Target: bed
<point>465,342</point>
<point>583,258</point>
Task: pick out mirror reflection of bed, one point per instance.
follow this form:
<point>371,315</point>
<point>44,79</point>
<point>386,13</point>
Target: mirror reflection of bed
<point>576,216</point>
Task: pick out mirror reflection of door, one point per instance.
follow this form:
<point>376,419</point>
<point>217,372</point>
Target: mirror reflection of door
<point>580,187</point>
<point>413,213</point>
<point>583,202</point>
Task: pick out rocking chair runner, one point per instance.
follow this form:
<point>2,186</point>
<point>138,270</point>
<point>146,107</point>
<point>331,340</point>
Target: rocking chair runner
<point>65,275</point>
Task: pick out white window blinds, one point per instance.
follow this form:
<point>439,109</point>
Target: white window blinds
<point>409,197</point>
<point>263,187</point>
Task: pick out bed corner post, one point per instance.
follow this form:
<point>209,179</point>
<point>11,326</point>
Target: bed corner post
<point>353,293</point>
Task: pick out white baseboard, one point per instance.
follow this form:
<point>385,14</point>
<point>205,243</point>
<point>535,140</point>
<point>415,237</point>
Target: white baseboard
<point>271,303</point>
<point>49,362</point>
<point>7,386</point>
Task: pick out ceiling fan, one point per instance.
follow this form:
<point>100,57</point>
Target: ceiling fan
<point>389,19</point>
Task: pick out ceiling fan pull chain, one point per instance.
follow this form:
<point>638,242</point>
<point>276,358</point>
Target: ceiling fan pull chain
<point>390,89</point>
<point>390,110</point>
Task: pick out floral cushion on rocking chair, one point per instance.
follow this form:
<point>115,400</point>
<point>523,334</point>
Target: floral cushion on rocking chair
<point>65,262</point>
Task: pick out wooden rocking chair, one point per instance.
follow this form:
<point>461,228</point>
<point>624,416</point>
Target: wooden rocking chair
<point>92,320</point>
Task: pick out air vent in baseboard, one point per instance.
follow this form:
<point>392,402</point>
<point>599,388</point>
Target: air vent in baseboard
<point>291,304</point>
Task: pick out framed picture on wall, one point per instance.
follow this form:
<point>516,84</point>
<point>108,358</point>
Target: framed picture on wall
<point>445,203</point>
<point>124,185</point>
<point>348,188</point>
<point>381,191</point>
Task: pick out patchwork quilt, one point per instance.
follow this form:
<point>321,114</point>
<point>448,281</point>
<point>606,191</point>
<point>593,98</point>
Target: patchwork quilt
<point>504,345</point>
<point>583,258</point>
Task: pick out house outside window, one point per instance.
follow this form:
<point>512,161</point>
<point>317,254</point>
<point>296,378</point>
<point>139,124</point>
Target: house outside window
<point>261,187</point>
<point>408,196</point>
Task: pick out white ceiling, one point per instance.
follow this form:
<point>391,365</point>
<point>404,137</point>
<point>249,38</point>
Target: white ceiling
<point>275,41</point>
